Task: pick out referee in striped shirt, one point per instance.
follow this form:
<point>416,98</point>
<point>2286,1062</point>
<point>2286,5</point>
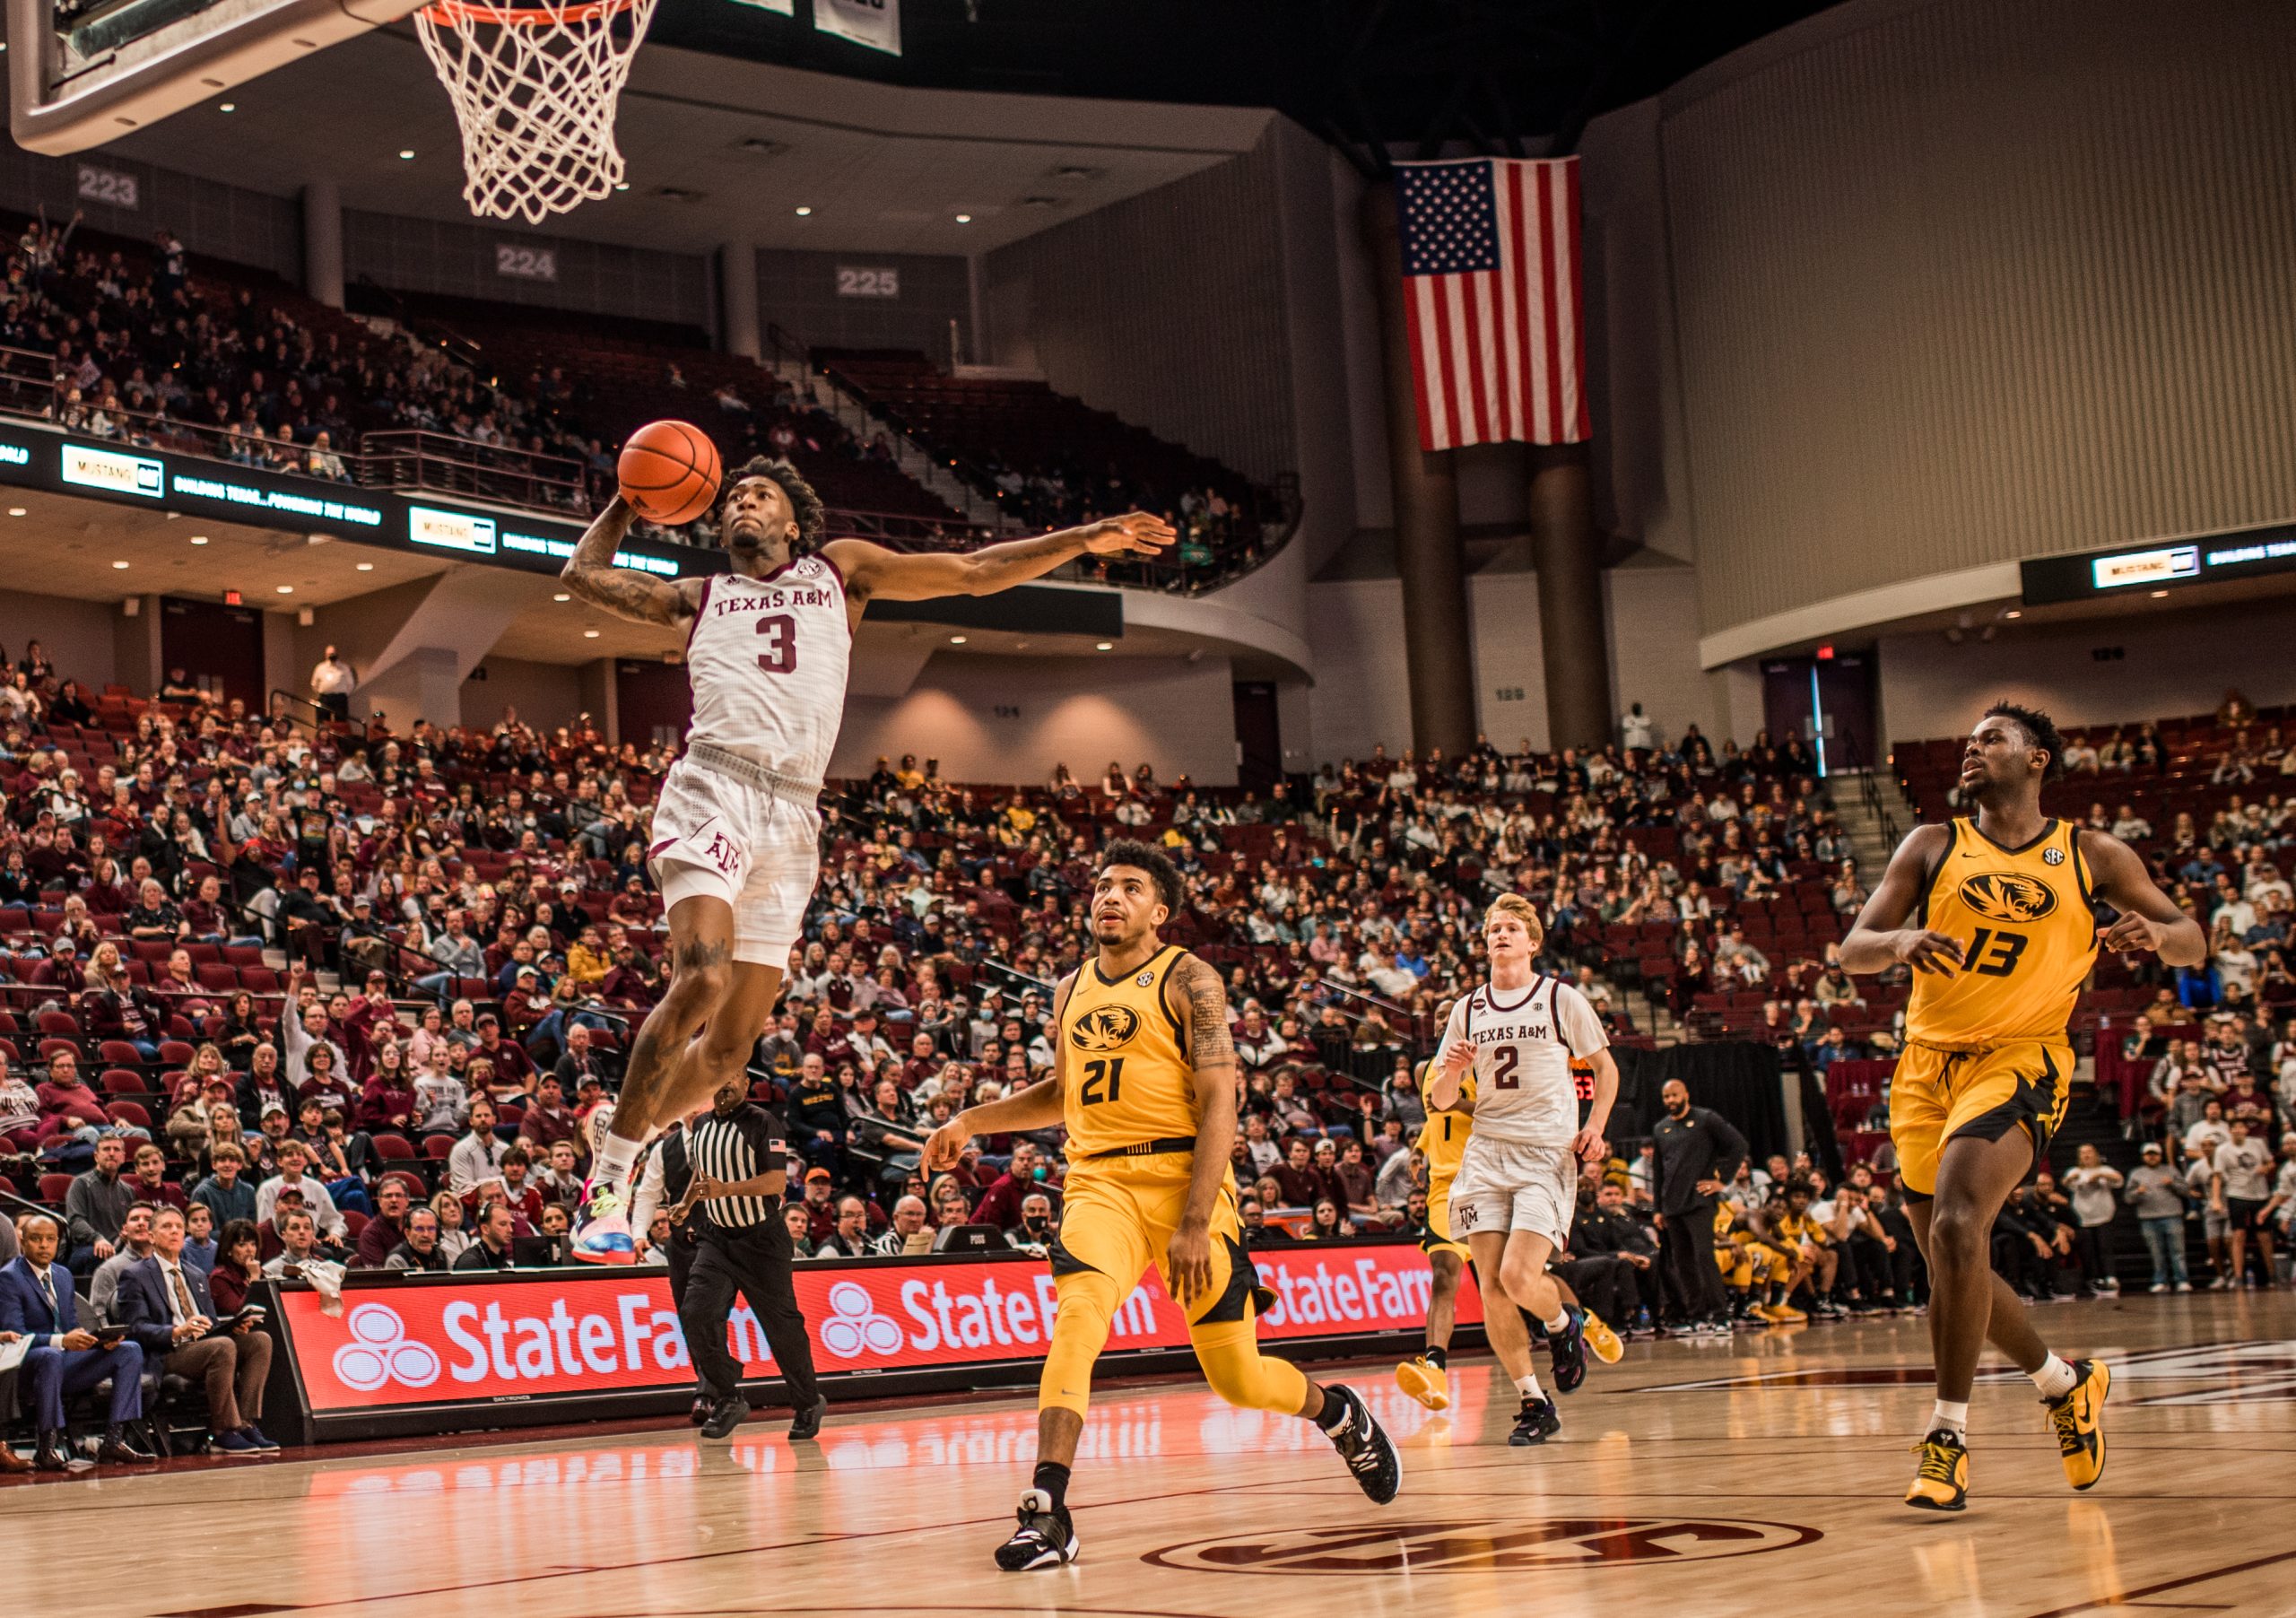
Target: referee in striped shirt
<point>737,1157</point>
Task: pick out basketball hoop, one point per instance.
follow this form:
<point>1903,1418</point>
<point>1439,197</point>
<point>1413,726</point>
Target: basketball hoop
<point>534,89</point>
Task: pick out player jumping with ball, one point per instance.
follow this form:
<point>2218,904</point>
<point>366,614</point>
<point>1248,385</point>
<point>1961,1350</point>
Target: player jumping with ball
<point>1517,1184</point>
<point>735,836</point>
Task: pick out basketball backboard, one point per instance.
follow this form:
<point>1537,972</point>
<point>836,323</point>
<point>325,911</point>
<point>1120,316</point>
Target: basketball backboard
<point>83,72</point>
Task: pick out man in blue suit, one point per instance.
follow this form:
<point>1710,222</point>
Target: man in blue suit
<point>37,1300</point>
<point>166,1306</point>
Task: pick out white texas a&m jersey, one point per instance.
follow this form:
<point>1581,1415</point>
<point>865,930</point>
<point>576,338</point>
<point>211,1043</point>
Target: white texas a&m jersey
<point>1524,1042</point>
<point>768,658</point>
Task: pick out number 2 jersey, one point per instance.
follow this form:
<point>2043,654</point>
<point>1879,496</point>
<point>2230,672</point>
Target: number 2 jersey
<point>2027,924</point>
<point>768,658</point>
<point>1524,1042</point>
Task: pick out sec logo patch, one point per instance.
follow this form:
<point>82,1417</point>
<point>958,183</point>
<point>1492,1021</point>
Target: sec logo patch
<point>2052,856</point>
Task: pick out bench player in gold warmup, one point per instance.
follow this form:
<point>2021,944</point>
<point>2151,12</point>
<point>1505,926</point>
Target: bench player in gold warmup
<point>1997,915</point>
<point>1145,1081</point>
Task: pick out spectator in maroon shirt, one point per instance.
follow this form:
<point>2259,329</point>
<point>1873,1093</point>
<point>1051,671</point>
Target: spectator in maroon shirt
<point>627,983</point>
<point>387,1100</point>
<point>150,1178</point>
<point>510,1060</point>
<point>923,1062</point>
<point>367,1021</point>
<point>825,1040</point>
<point>387,1229</point>
<point>203,913</point>
<point>1304,1185</point>
<point>180,989</point>
<point>515,1190</point>
<point>548,1120</point>
<point>66,1104</point>
<point>820,1205</point>
<point>1000,1205</point>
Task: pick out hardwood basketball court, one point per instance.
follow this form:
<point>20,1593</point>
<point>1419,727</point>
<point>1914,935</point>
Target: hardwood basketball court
<point>1760,1476</point>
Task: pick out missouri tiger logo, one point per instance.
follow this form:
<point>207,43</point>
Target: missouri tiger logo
<point>2007,896</point>
<point>1104,1028</point>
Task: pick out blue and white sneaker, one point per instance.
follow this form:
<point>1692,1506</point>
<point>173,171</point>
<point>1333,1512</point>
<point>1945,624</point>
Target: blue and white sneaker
<point>601,1227</point>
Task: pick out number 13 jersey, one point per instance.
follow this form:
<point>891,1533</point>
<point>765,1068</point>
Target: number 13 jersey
<point>2028,931</point>
<point>768,658</point>
<point>1524,1042</point>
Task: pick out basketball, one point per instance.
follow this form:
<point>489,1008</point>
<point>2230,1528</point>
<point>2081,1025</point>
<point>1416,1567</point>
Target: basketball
<point>668,472</point>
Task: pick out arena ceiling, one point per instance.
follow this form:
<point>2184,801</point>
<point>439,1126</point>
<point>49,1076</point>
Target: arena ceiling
<point>1001,118</point>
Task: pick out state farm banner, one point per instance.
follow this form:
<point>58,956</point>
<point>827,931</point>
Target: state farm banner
<point>477,1339</point>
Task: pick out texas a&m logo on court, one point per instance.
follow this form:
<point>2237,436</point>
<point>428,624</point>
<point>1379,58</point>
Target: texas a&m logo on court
<point>1467,1546</point>
<point>1104,1028</point>
<point>2008,896</point>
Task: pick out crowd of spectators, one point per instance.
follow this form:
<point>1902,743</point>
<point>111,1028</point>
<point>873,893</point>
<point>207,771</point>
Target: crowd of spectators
<point>480,899</point>
<point>143,352</point>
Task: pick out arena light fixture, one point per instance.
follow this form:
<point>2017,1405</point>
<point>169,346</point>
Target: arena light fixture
<point>406,154</point>
<point>589,634</point>
<point>366,567</point>
<point>286,589</point>
<point>228,107</point>
<point>804,212</point>
<point>561,595</point>
<point>964,219</point>
<point>956,640</point>
<point>199,539</point>
<point>16,512</point>
<point>121,566</point>
<point>2012,613</point>
<point>2159,595</point>
<point>1105,645</point>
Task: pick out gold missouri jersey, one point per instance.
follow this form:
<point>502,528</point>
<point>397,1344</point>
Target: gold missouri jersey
<point>1127,1079</point>
<point>1443,1138</point>
<point>2028,931</point>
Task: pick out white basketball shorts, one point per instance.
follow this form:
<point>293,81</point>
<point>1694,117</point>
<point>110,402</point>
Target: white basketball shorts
<point>1511,1186</point>
<point>727,839</point>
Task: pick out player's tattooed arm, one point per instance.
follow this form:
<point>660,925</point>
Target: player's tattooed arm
<point>1204,1008</point>
<point>1212,1053</point>
<point>624,592</point>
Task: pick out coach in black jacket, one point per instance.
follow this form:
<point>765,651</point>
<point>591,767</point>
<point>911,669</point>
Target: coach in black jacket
<point>1697,1154</point>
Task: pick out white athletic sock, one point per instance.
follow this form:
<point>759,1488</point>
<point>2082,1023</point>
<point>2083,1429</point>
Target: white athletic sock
<point>2055,1378</point>
<point>1529,1387</point>
<point>616,1158</point>
<point>1953,1417</point>
<point>1560,1323</point>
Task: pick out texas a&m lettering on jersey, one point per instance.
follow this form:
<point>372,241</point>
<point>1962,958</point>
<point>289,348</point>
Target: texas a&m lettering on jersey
<point>768,659</point>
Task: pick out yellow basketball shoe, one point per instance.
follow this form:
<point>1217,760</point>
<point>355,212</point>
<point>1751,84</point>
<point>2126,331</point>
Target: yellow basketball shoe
<point>1425,1382</point>
<point>1943,1482</point>
<point>2079,1420</point>
<point>1602,1342</point>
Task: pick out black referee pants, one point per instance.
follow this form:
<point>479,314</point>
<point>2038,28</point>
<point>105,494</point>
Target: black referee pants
<point>754,1261</point>
<point>1687,1243</point>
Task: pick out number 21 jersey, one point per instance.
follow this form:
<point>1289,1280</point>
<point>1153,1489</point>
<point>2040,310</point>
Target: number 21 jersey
<point>768,658</point>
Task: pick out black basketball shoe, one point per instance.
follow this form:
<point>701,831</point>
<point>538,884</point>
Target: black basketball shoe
<point>1569,1347</point>
<point>1363,1444</point>
<point>1046,1537</point>
<point>1535,1424</point>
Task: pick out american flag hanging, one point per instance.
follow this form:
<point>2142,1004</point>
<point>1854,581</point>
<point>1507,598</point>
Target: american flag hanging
<point>1490,288</point>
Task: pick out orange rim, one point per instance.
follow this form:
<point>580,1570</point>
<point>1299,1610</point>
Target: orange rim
<point>525,16</point>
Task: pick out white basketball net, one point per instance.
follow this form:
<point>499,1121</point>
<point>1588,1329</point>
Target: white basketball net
<point>535,88</point>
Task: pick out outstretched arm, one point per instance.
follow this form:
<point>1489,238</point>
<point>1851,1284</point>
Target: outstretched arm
<point>873,571</point>
<point>2149,919</point>
<point>1037,1107</point>
<point>590,573</point>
